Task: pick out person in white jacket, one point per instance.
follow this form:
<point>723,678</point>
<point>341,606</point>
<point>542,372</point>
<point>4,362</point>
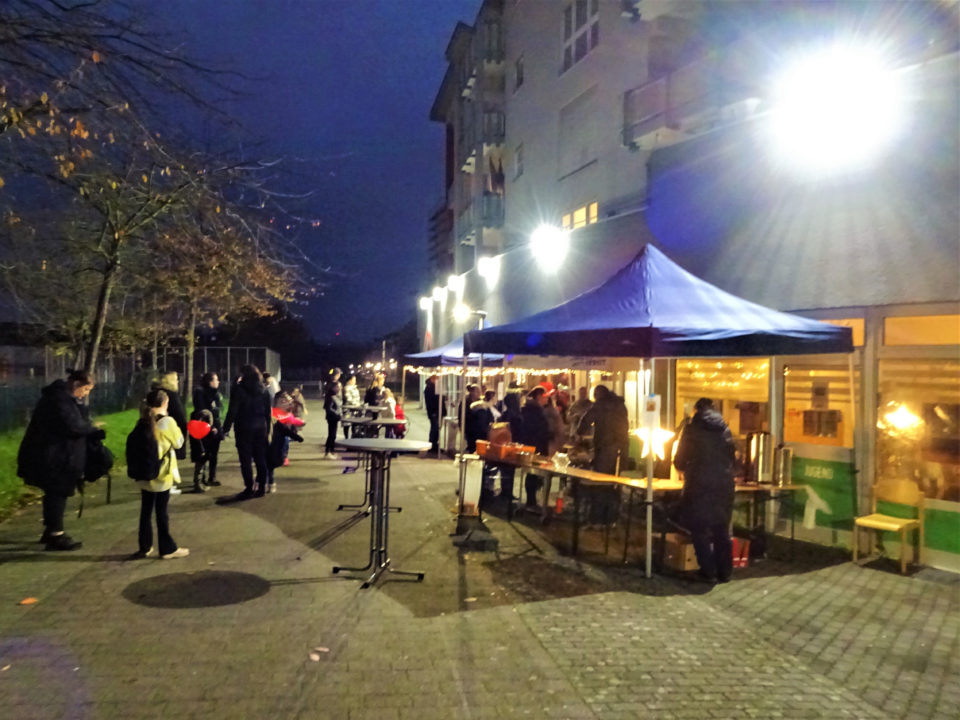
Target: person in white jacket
<point>155,493</point>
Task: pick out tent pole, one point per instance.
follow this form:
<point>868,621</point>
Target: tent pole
<point>462,463</point>
<point>440,418</point>
<point>648,550</point>
<point>403,386</point>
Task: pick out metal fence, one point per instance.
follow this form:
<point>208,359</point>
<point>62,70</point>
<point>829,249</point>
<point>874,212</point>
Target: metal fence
<point>120,386</point>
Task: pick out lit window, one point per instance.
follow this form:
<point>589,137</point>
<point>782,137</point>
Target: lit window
<point>579,217</point>
<point>855,324</point>
<point>581,30</point>
<point>585,215</point>
<point>922,330</point>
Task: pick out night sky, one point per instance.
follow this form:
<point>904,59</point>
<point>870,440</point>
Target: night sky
<point>342,90</point>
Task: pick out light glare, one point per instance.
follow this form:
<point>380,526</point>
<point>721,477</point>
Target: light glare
<point>439,293</point>
<point>549,245</point>
<point>489,269</point>
<point>461,313</point>
<point>835,110</point>
<point>455,283</point>
<point>425,303</point>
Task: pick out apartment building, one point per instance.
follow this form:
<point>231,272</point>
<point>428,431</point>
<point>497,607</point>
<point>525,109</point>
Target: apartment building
<point>650,121</point>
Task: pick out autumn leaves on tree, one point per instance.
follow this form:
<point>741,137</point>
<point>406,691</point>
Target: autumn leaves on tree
<point>114,233</point>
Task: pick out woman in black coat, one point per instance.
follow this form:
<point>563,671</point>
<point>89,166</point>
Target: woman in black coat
<point>250,412</point>
<point>207,397</point>
<point>53,453</point>
<point>706,456</point>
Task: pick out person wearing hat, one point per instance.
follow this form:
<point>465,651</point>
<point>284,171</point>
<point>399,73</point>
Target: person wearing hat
<point>706,456</point>
<point>333,407</point>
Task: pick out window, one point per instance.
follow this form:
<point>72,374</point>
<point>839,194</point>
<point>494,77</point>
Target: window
<point>518,161</point>
<point>581,30</point>
<point>518,73</point>
<point>585,215</point>
<point>922,330</point>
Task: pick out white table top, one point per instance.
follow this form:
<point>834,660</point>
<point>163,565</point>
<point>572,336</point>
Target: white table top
<point>384,445</point>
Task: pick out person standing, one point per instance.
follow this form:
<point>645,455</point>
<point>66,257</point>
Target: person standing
<point>351,399</point>
<point>374,394</point>
<point>169,382</point>
<point>536,432</point>
<point>250,411</point>
<point>333,407</point>
<point>558,431</point>
<point>272,384</point>
<point>431,400</point>
<point>53,452</point>
<point>577,410</point>
<point>479,419</point>
<point>706,455</point>
<point>208,398</point>
<point>155,493</point>
<point>610,425</point>
<point>511,414</point>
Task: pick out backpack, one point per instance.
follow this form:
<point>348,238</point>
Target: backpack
<point>143,453</point>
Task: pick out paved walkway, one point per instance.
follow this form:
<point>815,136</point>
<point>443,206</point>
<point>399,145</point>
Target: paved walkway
<point>524,633</point>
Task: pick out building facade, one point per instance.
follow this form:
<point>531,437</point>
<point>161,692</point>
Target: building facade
<point>644,121</point>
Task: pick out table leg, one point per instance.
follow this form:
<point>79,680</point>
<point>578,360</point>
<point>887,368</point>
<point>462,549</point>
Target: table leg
<point>371,483</point>
<point>384,552</point>
<point>575,543</point>
<point>626,529</point>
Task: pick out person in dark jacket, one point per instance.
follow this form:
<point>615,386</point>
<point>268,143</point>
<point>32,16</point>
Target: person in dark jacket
<point>250,412</point>
<point>535,431</point>
<point>431,400</point>
<point>333,407</point>
<point>479,419</point>
<point>511,414</point>
<point>207,399</point>
<point>53,453</point>
<point>706,456</point>
<point>283,433</point>
<point>169,382</point>
<point>374,394</point>
<point>609,424</point>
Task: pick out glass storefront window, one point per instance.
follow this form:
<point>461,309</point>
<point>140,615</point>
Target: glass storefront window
<point>817,405</point>
<point>918,425</point>
<point>739,388</point>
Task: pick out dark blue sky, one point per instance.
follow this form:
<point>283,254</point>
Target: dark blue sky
<point>343,89</point>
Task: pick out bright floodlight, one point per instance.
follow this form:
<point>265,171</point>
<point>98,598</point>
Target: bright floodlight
<point>425,303</point>
<point>835,110</point>
<point>439,293</point>
<point>461,313</point>
<point>489,270</point>
<point>549,246</point>
<point>455,283</point>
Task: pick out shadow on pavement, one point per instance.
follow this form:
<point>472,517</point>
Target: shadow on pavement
<point>205,588</point>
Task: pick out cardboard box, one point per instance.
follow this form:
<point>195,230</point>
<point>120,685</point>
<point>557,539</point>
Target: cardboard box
<point>678,553</point>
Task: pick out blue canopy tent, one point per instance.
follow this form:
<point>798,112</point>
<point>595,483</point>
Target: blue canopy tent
<point>653,308</point>
<point>451,355</point>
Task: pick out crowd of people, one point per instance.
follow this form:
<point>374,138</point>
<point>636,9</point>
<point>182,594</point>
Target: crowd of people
<point>61,446</point>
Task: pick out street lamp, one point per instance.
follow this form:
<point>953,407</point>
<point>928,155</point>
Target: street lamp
<point>489,269</point>
<point>439,293</point>
<point>835,109</point>
<point>426,303</point>
<point>455,284</point>
<point>549,246</point>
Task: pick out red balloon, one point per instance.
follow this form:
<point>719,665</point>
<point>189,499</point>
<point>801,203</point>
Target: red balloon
<point>198,429</point>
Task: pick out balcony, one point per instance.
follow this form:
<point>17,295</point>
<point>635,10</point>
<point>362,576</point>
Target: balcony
<point>493,129</point>
<point>691,100</point>
<point>491,215</point>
